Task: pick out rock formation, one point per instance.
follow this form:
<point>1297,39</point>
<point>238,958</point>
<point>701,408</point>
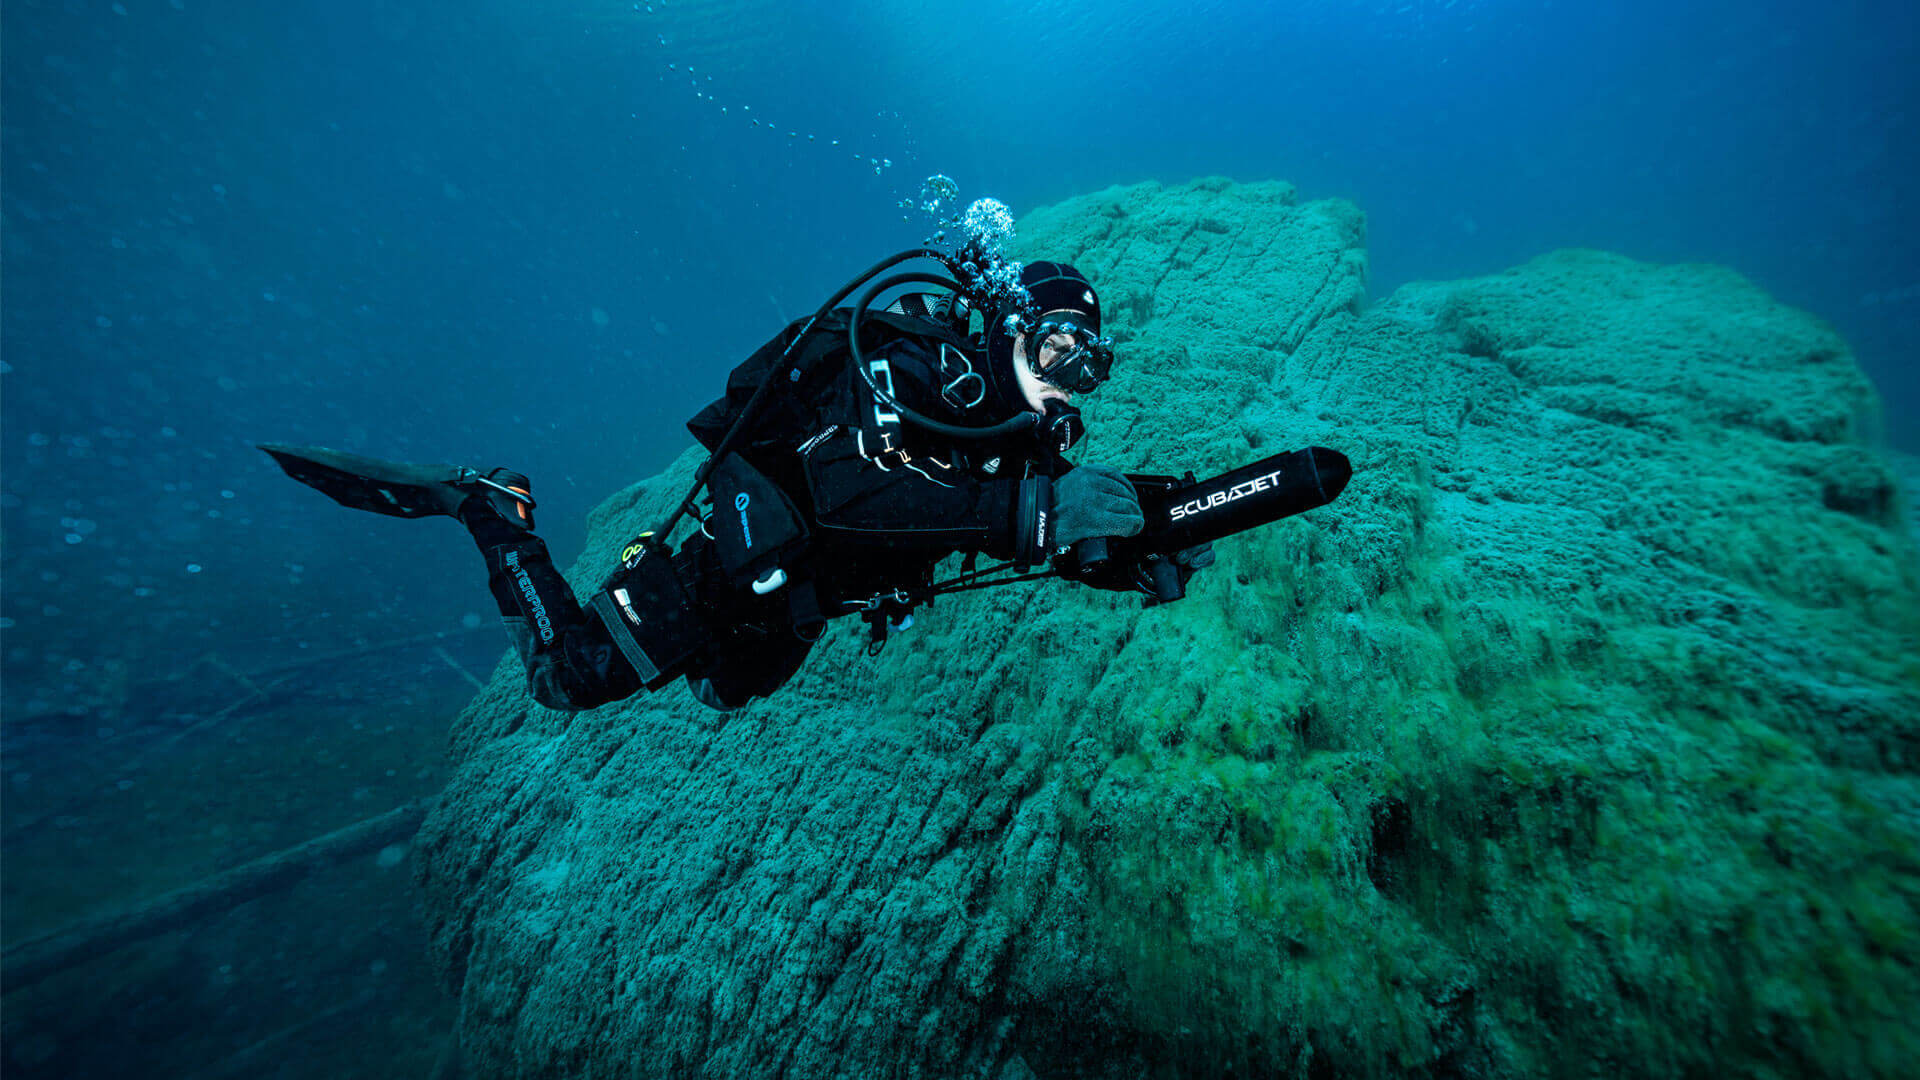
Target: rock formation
<point>1580,733</point>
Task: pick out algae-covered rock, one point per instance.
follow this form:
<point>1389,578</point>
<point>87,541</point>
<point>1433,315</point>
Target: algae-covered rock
<point>1578,735</point>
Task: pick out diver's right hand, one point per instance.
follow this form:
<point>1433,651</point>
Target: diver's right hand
<point>1094,500</point>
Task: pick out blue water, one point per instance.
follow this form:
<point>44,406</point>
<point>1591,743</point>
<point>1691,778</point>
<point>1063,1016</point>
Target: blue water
<point>523,233</point>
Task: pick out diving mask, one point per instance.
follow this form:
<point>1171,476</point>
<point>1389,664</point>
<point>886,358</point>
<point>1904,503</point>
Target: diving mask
<point>1081,367</point>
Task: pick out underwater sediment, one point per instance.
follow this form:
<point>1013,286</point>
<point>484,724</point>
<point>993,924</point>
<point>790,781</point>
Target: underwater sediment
<point>1579,734</point>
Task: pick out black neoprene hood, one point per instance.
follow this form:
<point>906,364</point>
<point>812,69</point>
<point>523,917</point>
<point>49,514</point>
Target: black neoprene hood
<point>1059,287</point>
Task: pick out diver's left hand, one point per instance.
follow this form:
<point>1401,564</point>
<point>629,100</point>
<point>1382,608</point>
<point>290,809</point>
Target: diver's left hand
<point>1194,559</point>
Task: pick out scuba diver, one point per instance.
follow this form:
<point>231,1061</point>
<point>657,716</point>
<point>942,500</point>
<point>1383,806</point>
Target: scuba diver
<point>850,455</point>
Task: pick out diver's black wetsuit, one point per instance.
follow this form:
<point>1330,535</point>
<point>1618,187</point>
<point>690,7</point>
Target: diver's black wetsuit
<point>885,502</point>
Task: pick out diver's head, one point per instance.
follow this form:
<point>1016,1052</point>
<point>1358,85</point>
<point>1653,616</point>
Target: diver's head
<point>1053,348</point>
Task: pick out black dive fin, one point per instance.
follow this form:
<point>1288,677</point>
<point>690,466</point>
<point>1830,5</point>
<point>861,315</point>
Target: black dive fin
<point>391,487</point>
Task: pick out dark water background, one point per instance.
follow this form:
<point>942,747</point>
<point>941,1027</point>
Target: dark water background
<point>522,233</point>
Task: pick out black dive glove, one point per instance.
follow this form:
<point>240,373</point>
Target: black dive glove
<point>1094,500</point>
<point>1192,560</point>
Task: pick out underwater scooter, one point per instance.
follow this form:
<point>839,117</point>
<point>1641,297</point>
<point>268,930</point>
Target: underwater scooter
<point>1182,512</point>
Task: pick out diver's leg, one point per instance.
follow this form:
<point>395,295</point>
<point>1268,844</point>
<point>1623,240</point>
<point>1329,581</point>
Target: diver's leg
<point>750,664</point>
<point>740,677</point>
<point>571,662</point>
<point>750,647</point>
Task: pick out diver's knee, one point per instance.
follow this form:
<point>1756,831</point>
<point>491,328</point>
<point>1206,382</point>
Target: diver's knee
<point>549,694</point>
<point>705,694</point>
<point>566,680</point>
